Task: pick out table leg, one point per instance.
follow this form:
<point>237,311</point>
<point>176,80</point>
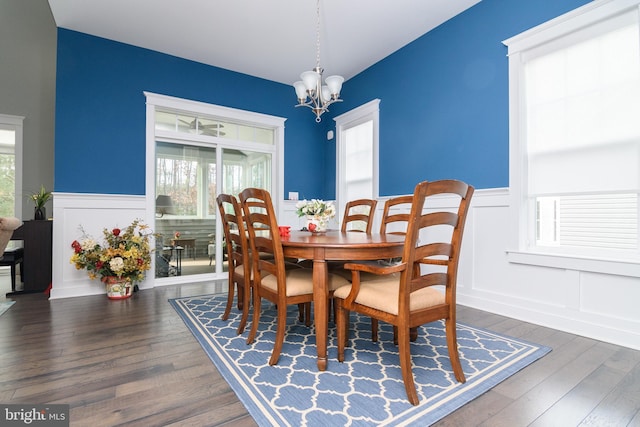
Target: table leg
<point>320,295</point>
<point>179,261</point>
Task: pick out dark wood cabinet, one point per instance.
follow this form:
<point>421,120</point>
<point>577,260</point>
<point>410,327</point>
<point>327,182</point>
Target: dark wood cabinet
<point>37,237</point>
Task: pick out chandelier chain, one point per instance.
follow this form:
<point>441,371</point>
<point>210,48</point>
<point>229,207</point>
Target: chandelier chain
<point>318,34</point>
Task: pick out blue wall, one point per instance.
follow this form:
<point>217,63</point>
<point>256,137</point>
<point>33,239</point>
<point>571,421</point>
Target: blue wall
<point>100,113</point>
<point>443,110</point>
<point>444,106</point>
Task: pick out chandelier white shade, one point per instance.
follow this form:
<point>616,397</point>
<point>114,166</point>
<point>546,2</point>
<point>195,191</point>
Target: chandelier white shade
<point>310,90</point>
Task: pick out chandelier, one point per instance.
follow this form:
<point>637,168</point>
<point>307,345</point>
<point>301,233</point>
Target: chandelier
<point>310,90</point>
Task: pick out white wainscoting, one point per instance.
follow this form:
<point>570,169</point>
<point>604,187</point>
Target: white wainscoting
<point>583,302</point>
<point>593,304</point>
<point>92,212</point>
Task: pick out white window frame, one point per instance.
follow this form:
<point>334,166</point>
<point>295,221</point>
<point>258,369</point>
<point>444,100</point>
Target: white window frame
<point>520,250</point>
<point>366,112</point>
<point>16,124</point>
<point>163,103</point>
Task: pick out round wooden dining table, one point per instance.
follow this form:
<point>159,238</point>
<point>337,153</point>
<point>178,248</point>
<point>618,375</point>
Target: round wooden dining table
<point>334,245</point>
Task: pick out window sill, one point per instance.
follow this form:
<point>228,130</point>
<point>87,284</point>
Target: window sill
<point>616,267</point>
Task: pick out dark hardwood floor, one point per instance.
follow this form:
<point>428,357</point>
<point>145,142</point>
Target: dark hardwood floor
<point>134,363</point>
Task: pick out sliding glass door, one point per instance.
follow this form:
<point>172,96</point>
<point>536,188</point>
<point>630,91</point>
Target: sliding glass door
<point>197,157</point>
<point>185,208</point>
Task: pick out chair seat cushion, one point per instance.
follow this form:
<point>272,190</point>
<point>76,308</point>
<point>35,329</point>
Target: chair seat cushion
<point>300,282</point>
<point>383,295</point>
<point>239,270</point>
<point>336,282</point>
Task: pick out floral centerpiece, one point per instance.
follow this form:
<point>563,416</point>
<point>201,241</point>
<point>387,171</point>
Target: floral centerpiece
<point>121,261</point>
<point>318,212</point>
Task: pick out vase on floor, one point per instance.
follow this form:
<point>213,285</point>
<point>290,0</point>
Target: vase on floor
<point>117,287</point>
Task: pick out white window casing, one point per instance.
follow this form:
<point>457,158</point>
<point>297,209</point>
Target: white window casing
<point>574,103</point>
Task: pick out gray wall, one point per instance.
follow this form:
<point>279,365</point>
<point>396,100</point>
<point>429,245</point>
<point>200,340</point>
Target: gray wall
<point>28,42</point>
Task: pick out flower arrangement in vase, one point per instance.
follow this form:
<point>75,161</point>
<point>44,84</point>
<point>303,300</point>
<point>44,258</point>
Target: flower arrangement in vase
<point>121,261</point>
<point>318,213</point>
<point>40,199</point>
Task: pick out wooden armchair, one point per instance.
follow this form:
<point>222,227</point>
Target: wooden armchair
<point>430,259</point>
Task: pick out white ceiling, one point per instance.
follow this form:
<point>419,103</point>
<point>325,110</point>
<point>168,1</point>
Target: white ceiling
<point>272,39</point>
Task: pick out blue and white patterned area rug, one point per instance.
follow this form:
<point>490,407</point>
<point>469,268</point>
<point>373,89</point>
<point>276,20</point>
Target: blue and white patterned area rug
<point>366,389</point>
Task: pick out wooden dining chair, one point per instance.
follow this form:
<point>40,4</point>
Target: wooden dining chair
<point>271,279</point>
<point>358,215</point>
<point>395,220</point>
<point>239,262</point>
<point>395,215</point>
<point>430,258</point>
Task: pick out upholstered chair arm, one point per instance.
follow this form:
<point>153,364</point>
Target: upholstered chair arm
<point>9,223</point>
<point>7,226</point>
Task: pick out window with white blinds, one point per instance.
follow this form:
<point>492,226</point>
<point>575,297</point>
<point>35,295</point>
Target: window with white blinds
<point>576,149</point>
<point>357,153</point>
<point>358,141</point>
